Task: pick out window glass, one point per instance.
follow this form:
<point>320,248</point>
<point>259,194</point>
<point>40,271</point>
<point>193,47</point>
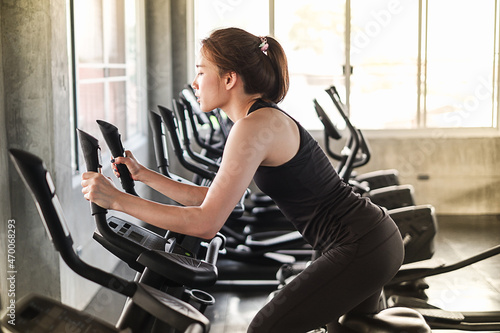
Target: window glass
<point>384,50</point>
<point>414,64</point>
<point>460,63</point>
<point>106,44</point>
<point>312,34</point>
<point>252,16</point>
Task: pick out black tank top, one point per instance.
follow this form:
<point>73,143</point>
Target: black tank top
<point>309,192</point>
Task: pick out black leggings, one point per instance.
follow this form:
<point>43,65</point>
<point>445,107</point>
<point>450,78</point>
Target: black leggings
<point>348,278</point>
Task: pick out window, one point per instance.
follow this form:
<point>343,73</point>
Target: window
<point>384,60</point>
<point>107,66</point>
<point>423,64</point>
<point>460,64</point>
<point>252,16</point>
<point>399,64</point>
<point>312,34</point>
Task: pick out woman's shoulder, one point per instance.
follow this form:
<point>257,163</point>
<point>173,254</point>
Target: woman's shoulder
<point>266,123</point>
<point>267,114</point>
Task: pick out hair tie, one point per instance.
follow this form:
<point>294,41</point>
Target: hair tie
<point>263,45</point>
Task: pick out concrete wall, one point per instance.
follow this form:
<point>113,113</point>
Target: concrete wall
<point>159,48</point>
<point>32,78</point>
<point>179,46</point>
<point>168,59</point>
<point>5,213</point>
<point>458,175</point>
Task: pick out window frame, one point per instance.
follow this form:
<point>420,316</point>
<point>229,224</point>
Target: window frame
<point>134,142</point>
<point>421,113</point>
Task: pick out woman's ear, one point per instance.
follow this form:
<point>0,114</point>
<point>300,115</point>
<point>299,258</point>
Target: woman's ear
<point>230,80</point>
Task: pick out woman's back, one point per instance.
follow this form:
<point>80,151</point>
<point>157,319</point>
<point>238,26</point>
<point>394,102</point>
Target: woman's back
<point>310,193</point>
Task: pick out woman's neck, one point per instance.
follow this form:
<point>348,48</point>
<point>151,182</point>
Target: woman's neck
<point>238,108</point>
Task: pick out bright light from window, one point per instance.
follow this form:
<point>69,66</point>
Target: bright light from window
<point>460,54</point>
<point>414,64</point>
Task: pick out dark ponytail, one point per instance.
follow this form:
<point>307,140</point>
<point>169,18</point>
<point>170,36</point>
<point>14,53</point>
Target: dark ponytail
<point>263,70</point>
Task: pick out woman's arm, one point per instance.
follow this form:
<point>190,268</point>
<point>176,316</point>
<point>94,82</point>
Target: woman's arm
<point>202,219</point>
<point>248,146</point>
<point>185,194</point>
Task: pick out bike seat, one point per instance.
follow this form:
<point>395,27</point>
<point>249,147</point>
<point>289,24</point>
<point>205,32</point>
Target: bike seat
<point>179,268</point>
<point>390,320</point>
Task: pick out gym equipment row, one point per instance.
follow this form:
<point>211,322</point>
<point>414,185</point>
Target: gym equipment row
<point>164,296</point>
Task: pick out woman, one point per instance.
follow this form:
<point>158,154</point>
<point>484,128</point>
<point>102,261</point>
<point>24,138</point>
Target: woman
<point>361,247</point>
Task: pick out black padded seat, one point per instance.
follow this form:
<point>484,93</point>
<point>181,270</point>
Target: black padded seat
<point>179,268</point>
<point>390,320</point>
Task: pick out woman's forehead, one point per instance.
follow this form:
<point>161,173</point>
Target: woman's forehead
<point>203,62</point>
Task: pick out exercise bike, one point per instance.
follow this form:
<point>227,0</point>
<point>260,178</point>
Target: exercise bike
<point>440,318</point>
<point>376,179</point>
<point>160,262</point>
<point>135,244</point>
<point>147,305</point>
<point>382,187</point>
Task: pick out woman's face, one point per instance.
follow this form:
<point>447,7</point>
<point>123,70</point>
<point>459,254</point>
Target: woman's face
<point>208,85</point>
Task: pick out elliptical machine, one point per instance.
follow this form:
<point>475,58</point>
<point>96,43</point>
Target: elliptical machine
<point>170,263</point>
<point>39,314</point>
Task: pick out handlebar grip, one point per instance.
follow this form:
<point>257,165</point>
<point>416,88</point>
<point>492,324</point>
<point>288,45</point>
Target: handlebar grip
<point>216,244</point>
<point>156,130</point>
<point>113,140</point>
<point>92,155</point>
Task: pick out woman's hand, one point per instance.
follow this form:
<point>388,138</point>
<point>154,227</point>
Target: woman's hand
<point>100,190</point>
<point>134,167</point>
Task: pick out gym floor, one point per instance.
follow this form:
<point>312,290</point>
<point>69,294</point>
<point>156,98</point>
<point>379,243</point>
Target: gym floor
<point>473,288</point>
